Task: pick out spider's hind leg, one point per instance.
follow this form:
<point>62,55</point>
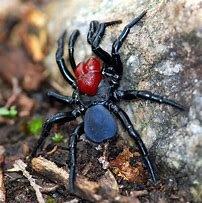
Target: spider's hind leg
<point>57,118</point>
<point>78,131</point>
<point>123,117</point>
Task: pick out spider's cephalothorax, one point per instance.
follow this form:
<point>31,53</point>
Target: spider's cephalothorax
<point>96,95</point>
<point>88,76</point>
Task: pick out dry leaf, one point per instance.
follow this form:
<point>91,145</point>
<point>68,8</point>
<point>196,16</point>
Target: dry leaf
<point>34,33</point>
<point>123,168</point>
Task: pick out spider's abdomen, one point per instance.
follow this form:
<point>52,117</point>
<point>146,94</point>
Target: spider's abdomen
<point>88,76</point>
<point>99,124</point>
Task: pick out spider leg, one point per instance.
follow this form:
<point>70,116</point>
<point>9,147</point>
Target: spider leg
<point>94,37</point>
<point>72,39</point>
<point>78,131</point>
<point>61,62</point>
<point>57,118</point>
<point>135,94</point>
<point>60,98</point>
<point>100,31</point>
<point>123,117</point>
<point>119,41</point>
<point>92,30</point>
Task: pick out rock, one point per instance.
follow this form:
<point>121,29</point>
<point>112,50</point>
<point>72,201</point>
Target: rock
<point>162,54</point>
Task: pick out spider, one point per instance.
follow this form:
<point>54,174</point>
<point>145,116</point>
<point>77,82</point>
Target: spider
<point>96,95</point>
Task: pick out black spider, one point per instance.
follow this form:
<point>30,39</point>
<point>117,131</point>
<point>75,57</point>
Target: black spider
<point>95,95</point>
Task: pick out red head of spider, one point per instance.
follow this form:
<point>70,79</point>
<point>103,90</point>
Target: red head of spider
<point>88,75</point>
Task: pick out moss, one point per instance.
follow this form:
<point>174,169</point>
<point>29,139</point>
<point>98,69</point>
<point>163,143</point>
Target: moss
<point>35,126</point>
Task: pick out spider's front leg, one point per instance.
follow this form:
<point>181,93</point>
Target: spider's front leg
<point>119,41</point>
<point>123,117</point>
<point>94,38</point>
<point>137,94</point>
<point>92,31</point>
<point>57,118</point>
<point>61,62</point>
<point>78,131</point>
<point>72,39</point>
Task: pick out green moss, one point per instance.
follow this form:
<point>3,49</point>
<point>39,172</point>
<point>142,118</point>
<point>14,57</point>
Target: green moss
<point>57,138</point>
<point>50,200</point>
<point>8,112</point>
<point>35,126</point>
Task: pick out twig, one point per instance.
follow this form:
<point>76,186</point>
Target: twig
<point>48,189</point>
<point>52,150</point>
<point>60,176</point>
<point>2,188</point>
<point>93,191</point>
<point>19,165</point>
